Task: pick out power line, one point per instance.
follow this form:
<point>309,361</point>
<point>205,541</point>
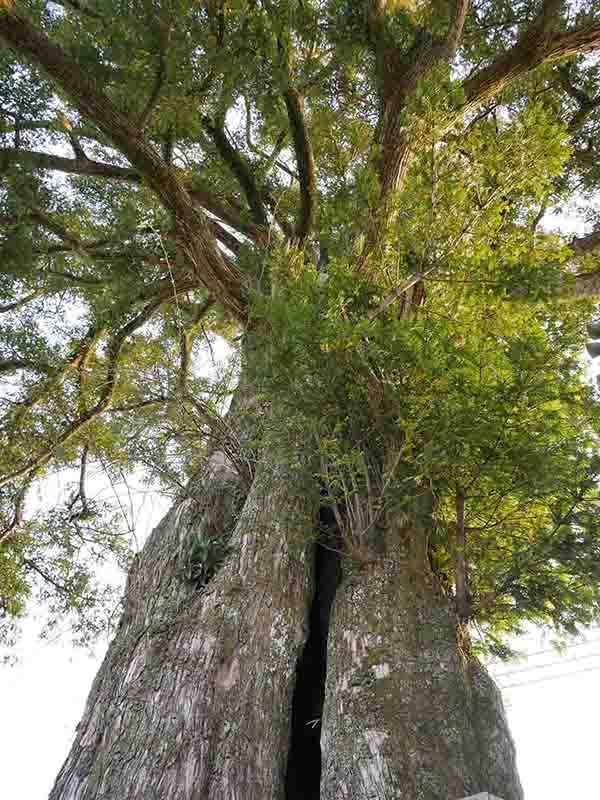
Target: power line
<point>550,678</point>
<point>570,647</point>
<point>552,650</point>
<point>555,663</point>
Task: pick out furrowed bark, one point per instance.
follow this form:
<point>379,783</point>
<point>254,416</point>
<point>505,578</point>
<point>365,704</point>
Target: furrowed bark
<point>193,701</point>
<point>408,713</point>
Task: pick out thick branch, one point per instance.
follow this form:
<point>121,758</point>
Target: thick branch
<point>399,74</point>
<point>304,160</point>
<point>197,241</point>
<point>240,168</point>
<point>85,166</point>
<point>226,212</point>
<point>228,239</point>
<point>72,166</point>
<point>460,10</point>
<point>11,365</point>
<point>537,47</point>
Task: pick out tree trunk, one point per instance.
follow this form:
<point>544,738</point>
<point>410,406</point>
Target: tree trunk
<point>216,692</point>
<point>193,699</point>
<point>408,712</point>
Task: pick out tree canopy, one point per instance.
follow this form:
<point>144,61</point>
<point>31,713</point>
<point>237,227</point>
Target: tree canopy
<point>368,188</point>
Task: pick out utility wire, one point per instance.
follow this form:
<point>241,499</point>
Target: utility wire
<point>558,662</point>
<point>550,678</point>
<point>570,647</point>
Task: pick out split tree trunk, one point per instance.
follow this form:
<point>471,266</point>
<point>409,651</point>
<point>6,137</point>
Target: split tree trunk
<point>195,699</point>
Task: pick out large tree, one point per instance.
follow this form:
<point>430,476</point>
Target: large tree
<point>356,195</point>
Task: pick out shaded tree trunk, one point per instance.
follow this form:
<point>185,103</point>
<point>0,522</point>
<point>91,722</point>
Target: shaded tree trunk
<point>216,692</point>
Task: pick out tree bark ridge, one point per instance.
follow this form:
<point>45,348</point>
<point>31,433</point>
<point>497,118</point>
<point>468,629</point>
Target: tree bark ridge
<point>193,701</point>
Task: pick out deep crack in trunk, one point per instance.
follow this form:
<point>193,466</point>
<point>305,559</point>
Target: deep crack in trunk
<point>303,776</point>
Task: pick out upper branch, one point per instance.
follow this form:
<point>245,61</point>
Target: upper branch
<point>240,168</point>
<point>197,240</point>
<point>71,166</point>
<point>304,159</point>
<point>460,10</point>
<point>399,74</point>
<point>538,46</point>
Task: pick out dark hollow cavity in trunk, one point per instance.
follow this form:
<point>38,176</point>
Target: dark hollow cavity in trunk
<point>303,776</point>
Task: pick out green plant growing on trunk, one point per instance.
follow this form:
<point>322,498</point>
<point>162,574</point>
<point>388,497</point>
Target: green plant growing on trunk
<point>206,556</point>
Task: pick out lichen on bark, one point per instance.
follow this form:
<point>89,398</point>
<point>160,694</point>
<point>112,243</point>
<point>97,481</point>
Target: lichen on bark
<point>409,713</point>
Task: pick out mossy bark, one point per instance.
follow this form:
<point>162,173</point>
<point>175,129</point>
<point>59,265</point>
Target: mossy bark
<point>194,699</point>
<point>408,712</point>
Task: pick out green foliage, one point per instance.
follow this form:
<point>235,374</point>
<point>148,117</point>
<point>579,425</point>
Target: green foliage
<point>106,322</point>
<point>207,553</point>
<point>475,391</point>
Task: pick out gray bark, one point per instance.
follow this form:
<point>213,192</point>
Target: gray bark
<point>193,699</point>
<point>408,712</point>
